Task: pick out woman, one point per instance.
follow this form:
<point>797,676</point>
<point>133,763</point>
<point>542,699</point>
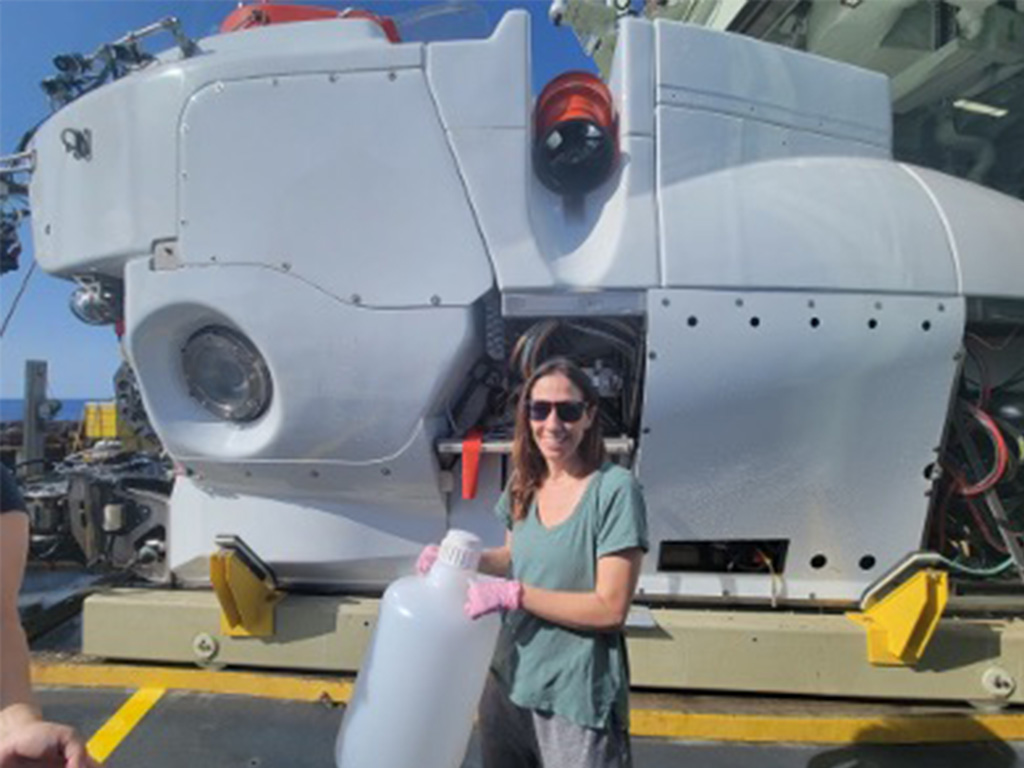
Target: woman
<point>576,533</point>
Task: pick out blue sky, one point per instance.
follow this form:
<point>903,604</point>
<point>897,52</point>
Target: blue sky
<point>82,359</point>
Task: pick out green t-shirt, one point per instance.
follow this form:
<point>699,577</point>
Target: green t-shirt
<point>577,674</point>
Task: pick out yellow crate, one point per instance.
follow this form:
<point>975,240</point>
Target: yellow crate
<point>101,421</point>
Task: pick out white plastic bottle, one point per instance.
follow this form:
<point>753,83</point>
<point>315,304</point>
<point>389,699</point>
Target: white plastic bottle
<point>424,671</point>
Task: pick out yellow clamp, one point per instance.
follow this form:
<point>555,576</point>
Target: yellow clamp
<point>247,599</point>
<point>900,625</point>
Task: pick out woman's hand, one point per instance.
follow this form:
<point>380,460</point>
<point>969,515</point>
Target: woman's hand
<point>44,745</point>
<point>493,595</point>
<point>427,559</point>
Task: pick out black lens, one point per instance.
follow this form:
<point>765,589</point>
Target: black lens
<point>575,157</point>
<point>568,411</point>
<point>539,410</point>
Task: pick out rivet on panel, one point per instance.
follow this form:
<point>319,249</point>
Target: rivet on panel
<point>665,302</point>
<point>392,76</point>
<point>652,355</point>
<point>356,298</point>
<point>286,266</point>
<point>386,472</point>
<point>739,302</point>
<point>435,299</point>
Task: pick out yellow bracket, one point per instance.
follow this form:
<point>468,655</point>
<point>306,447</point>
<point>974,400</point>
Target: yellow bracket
<point>247,601</point>
<point>900,624</point>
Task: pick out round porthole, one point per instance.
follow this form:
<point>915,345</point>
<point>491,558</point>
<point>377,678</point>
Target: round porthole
<point>226,374</point>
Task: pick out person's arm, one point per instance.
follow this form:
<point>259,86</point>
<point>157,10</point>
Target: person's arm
<point>25,738</point>
<point>604,609</point>
<point>622,541</point>
<point>17,705</point>
<point>498,560</point>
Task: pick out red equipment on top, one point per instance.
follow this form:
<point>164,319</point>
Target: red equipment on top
<point>264,14</point>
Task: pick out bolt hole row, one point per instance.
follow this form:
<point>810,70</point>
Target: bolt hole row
<point>866,563</point>
<point>693,321</point>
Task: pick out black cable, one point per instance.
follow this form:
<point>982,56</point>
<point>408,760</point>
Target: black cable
<point>979,364</point>
<point>27,137</point>
<point>17,299</point>
<point>1017,377</point>
<point>1014,377</point>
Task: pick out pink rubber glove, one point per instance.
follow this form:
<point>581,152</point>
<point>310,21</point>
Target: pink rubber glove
<point>493,595</point>
<point>427,559</point>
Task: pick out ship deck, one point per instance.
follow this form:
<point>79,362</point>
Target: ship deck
<point>172,715</point>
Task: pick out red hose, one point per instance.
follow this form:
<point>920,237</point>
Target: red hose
<point>1002,455</point>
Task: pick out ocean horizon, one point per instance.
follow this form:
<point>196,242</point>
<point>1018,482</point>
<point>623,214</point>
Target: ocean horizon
<point>72,408</point>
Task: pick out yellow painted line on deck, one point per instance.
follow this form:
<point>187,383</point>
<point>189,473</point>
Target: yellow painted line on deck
<point>899,729</point>
<point>199,680</point>
<point>107,738</point>
<point>656,723</point>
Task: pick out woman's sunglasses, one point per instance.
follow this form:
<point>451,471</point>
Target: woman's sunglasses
<point>568,411</point>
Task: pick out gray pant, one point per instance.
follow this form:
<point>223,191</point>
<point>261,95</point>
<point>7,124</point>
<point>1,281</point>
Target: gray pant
<point>513,737</point>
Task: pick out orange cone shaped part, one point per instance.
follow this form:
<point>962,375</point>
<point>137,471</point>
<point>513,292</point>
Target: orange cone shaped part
<point>576,143</point>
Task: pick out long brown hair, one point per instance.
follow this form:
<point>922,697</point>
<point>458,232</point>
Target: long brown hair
<point>529,469</point>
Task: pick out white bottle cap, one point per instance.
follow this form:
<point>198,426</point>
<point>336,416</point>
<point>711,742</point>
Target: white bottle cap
<point>460,549</point>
